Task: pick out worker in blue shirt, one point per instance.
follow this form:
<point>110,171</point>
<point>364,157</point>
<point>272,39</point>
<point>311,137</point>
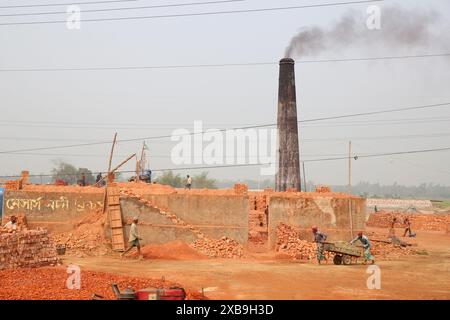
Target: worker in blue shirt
<point>366,244</point>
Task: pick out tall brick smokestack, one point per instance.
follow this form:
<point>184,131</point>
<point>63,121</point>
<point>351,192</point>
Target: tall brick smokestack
<point>288,175</point>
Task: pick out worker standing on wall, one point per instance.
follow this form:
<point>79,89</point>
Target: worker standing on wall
<point>134,239</point>
<point>319,239</point>
<point>188,182</point>
<point>366,244</point>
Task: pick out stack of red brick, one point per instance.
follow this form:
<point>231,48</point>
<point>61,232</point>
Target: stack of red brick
<point>288,242</point>
<point>323,189</point>
<point>32,248</point>
<point>425,222</point>
<point>241,189</point>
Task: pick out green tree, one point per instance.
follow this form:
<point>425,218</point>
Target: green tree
<point>202,181</point>
<point>168,178</point>
<point>70,174</point>
<point>64,171</point>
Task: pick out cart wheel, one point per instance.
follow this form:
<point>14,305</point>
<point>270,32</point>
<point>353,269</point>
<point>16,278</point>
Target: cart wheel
<point>337,259</point>
<point>346,259</point>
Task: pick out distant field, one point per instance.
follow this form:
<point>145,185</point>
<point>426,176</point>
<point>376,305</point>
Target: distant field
<point>443,204</point>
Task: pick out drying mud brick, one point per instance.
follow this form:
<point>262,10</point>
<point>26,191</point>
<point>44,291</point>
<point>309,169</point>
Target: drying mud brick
<point>31,248</point>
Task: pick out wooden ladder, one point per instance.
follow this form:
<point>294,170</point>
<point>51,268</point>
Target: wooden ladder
<point>115,218</point>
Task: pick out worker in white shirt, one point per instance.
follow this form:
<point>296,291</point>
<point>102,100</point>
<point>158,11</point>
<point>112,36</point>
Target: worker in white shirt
<point>134,239</point>
<point>188,182</point>
<point>11,226</point>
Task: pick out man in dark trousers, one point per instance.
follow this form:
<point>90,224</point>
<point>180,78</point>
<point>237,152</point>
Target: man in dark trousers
<point>319,239</point>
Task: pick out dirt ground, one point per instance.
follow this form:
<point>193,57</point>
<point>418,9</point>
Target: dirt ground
<point>263,276</point>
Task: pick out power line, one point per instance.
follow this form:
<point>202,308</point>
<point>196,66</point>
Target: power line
<point>196,14</point>
<point>236,128</point>
<point>126,8</point>
<point>267,163</point>
<point>65,4</point>
<point>380,154</point>
<point>221,65</point>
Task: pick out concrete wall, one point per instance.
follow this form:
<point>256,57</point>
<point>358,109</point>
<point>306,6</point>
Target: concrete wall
<point>56,211</point>
<point>216,216</point>
<point>329,214</point>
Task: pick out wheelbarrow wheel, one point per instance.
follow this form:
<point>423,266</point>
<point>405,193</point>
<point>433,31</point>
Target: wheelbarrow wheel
<point>346,259</point>
<point>337,259</point>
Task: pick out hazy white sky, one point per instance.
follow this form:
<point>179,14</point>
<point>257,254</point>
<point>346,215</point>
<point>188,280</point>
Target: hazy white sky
<point>40,109</point>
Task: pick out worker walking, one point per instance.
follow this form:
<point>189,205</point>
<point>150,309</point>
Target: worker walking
<point>407,224</point>
<point>366,244</point>
<point>392,229</point>
<point>188,182</point>
<point>11,226</point>
<point>319,239</point>
<point>134,239</point>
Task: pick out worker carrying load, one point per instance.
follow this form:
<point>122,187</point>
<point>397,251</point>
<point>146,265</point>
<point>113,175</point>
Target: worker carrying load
<point>366,244</point>
<point>319,239</point>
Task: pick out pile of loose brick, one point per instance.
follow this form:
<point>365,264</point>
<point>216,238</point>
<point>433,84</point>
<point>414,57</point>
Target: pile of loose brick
<point>29,248</point>
<point>216,248</point>
<point>424,222</point>
<point>87,238</point>
<point>288,242</point>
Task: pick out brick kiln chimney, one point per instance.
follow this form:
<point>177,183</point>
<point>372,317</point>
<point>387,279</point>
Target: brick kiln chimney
<point>288,175</point>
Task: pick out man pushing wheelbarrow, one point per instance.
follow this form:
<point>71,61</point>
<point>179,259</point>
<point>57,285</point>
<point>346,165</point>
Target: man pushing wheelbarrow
<point>366,245</point>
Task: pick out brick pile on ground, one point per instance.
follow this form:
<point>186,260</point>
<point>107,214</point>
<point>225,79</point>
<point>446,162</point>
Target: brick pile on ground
<point>323,189</point>
<point>386,251</point>
<point>87,238</point>
<point>215,248</point>
<point>424,222</point>
<point>28,248</point>
<point>49,283</point>
<point>288,242</point>
<point>219,248</point>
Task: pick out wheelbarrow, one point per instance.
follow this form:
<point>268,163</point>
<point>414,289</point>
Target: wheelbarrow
<point>344,252</point>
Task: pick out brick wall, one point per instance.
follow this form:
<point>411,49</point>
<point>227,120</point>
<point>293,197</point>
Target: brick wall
<point>31,248</point>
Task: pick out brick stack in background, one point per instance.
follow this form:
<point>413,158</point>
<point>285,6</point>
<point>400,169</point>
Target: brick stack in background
<point>241,189</point>
<point>32,248</point>
<point>257,218</point>
<point>13,184</point>
<point>424,222</point>
<point>323,189</point>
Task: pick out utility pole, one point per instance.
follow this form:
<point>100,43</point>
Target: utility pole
<point>350,186</point>
<point>304,176</point>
